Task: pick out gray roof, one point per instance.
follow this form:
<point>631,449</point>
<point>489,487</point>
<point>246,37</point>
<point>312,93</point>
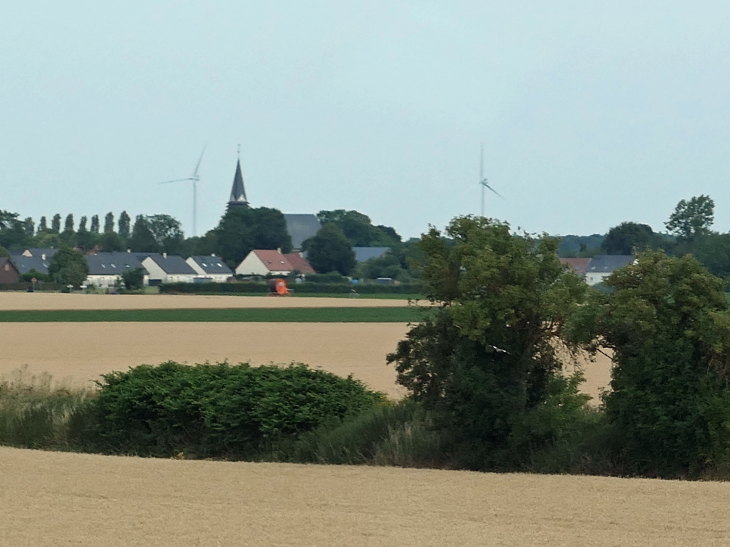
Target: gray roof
<point>366,253</point>
<point>238,191</point>
<point>301,227</point>
<point>28,263</point>
<point>170,264</point>
<point>608,263</point>
<point>40,252</point>
<point>212,265</point>
<point>112,263</point>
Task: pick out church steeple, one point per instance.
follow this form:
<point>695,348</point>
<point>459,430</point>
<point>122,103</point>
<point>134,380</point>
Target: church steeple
<point>238,192</point>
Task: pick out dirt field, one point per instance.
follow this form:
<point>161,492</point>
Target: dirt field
<point>58,301</point>
<point>57,499</point>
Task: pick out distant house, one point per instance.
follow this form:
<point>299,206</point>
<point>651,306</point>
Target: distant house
<point>209,268</point>
<point>106,268</point>
<point>301,227</point>
<point>601,266</point>
<point>578,265</point>
<point>45,254</point>
<point>164,268</point>
<point>366,253</point>
<point>266,262</point>
<point>25,264</point>
<point>8,271</point>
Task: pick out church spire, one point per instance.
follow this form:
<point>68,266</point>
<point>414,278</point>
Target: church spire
<point>238,192</point>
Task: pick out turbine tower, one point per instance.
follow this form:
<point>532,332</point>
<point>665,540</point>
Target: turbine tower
<point>195,178</point>
<point>482,181</point>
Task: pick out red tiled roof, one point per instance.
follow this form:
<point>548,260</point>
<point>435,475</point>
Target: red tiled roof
<point>578,265</point>
<point>274,260</point>
<point>300,263</point>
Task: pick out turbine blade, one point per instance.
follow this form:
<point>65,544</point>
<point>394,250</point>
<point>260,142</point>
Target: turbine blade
<point>195,173</point>
<point>486,185</point>
<point>176,180</point>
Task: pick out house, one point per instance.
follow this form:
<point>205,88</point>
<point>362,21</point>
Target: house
<point>164,268</point>
<point>45,254</point>
<point>209,268</point>
<point>578,265</point>
<point>8,271</point>
<point>105,269</point>
<point>25,264</point>
<point>601,266</point>
<point>366,253</point>
<point>266,262</point>
<point>301,227</point>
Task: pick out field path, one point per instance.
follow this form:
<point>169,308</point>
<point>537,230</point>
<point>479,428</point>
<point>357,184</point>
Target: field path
<point>63,499</point>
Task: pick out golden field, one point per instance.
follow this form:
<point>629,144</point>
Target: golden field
<point>61,499</point>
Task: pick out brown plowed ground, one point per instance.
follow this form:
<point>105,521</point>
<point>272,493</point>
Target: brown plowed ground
<point>61,499</point>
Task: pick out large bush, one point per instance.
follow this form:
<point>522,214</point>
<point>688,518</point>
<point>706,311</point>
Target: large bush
<point>219,410</point>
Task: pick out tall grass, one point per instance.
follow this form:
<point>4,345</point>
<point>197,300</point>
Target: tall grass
<point>37,412</point>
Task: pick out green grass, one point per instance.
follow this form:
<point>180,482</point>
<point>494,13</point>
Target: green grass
<point>232,315</point>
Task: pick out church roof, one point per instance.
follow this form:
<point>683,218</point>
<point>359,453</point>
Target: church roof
<point>238,191</point>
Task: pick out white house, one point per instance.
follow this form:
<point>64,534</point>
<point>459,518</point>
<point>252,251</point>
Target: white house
<point>164,268</point>
<point>266,262</point>
<point>106,268</point>
<point>601,266</point>
<point>209,269</point>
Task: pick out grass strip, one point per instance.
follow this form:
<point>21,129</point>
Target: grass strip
<point>227,315</point>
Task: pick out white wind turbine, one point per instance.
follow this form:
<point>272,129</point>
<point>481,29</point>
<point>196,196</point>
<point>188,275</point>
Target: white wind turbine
<point>195,178</point>
<point>483,181</point>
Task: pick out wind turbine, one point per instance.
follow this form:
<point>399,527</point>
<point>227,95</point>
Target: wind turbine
<point>483,181</point>
<point>195,178</point>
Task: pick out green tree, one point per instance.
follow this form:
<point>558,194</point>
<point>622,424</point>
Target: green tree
<point>692,219</point>
<point>4,252</point>
<point>133,279</point>
<point>627,236</point>
<point>667,324</point>
<point>85,240</point>
<point>124,224</point>
<point>95,225</point>
<point>330,251</point>
<point>42,225</point>
<point>110,242</point>
<point>109,222</point>
<point>12,230</point>
<point>56,224</point>
<point>243,229</point>
<point>143,240</point>
<point>29,227</point>
<point>486,362</point>
<point>168,233</point>
<point>69,223</point>
<point>358,228</point>
<point>68,267</point>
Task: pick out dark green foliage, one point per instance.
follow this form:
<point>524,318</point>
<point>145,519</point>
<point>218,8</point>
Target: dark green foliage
<point>358,228</point>
<point>68,267</point>
<point>667,323</point>
<point>109,222</point>
<point>68,225</point>
<point>4,252</point>
<point>124,224</point>
<point>143,240</point>
<point>572,246</point>
<point>330,251</point>
<point>331,277</point>
<point>94,225</point>
<point>243,229</point>
<point>56,224</point>
<point>133,280</point>
<point>110,242</point>
<point>394,264</point>
<point>167,232</point>
<point>29,227</point>
<point>693,218</point>
<point>489,358</point>
<point>218,410</point>
<point>12,231</point>
<point>298,288</point>
<point>42,225</point>
<point>28,276</point>
<point>627,236</point>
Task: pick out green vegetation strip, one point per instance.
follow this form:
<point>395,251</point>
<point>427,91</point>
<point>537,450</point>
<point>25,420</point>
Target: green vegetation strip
<point>233,315</point>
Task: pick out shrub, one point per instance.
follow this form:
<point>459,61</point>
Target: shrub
<point>221,409</point>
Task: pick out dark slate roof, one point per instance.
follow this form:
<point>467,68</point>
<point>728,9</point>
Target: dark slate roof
<point>301,227</point>
<point>608,263</point>
<point>170,264</point>
<point>238,191</point>
<point>366,253</point>
<point>28,263</point>
<point>212,265</point>
<point>40,252</point>
<point>112,263</point>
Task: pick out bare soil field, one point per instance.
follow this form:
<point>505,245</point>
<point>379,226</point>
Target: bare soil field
<point>80,352</point>
<point>59,301</point>
<point>62,499</point>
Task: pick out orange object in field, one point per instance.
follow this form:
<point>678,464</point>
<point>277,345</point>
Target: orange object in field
<point>278,288</point>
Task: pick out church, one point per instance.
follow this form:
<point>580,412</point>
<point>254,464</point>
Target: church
<point>301,226</point>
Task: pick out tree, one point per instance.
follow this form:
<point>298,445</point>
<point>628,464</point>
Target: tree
<point>69,223</point>
<point>627,236</point>
<point>124,222</point>
<point>4,252</point>
<point>12,230</point>
<point>95,225</point>
<point>68,267</point>
<point>168,233</point>
<point>330,251</point>
<point>244,229</point>
<point>42,225</point>
<point>82,224</point>
<point>142,240</point>
<point>56,224</point>
<point>29,227</point>
<point>85,240</point>
<point>110,242</point>
<point>666,322</point>
<point>109,222</point>
<point>486,362</point>
<point>692,219</point>
<point>358,228</point>
<point>133,279</point>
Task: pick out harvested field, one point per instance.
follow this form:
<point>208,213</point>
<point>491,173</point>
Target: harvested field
<point>59,301</point>
<point>60,499</point>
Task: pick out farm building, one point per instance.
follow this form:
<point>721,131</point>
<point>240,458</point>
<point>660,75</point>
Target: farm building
<point>164,268</point>
<point>210,268</point>
<point>601,266</point>
<point>8,271</point>
<point>366,253</point>
<point>266,262</point>
<point>105,269</point>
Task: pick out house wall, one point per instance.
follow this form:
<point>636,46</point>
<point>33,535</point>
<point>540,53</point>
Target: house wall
<point>103,281</point>
<point>594,278</point>
<point>156,273</point>
<point>252,265</point>
<point>8,273</point>
<point>214,278</point>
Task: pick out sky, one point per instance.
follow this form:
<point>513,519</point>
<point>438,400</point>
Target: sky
<point>590,113</point>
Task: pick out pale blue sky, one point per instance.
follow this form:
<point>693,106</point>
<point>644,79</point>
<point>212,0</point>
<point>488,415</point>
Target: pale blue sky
<point>591,113</point>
